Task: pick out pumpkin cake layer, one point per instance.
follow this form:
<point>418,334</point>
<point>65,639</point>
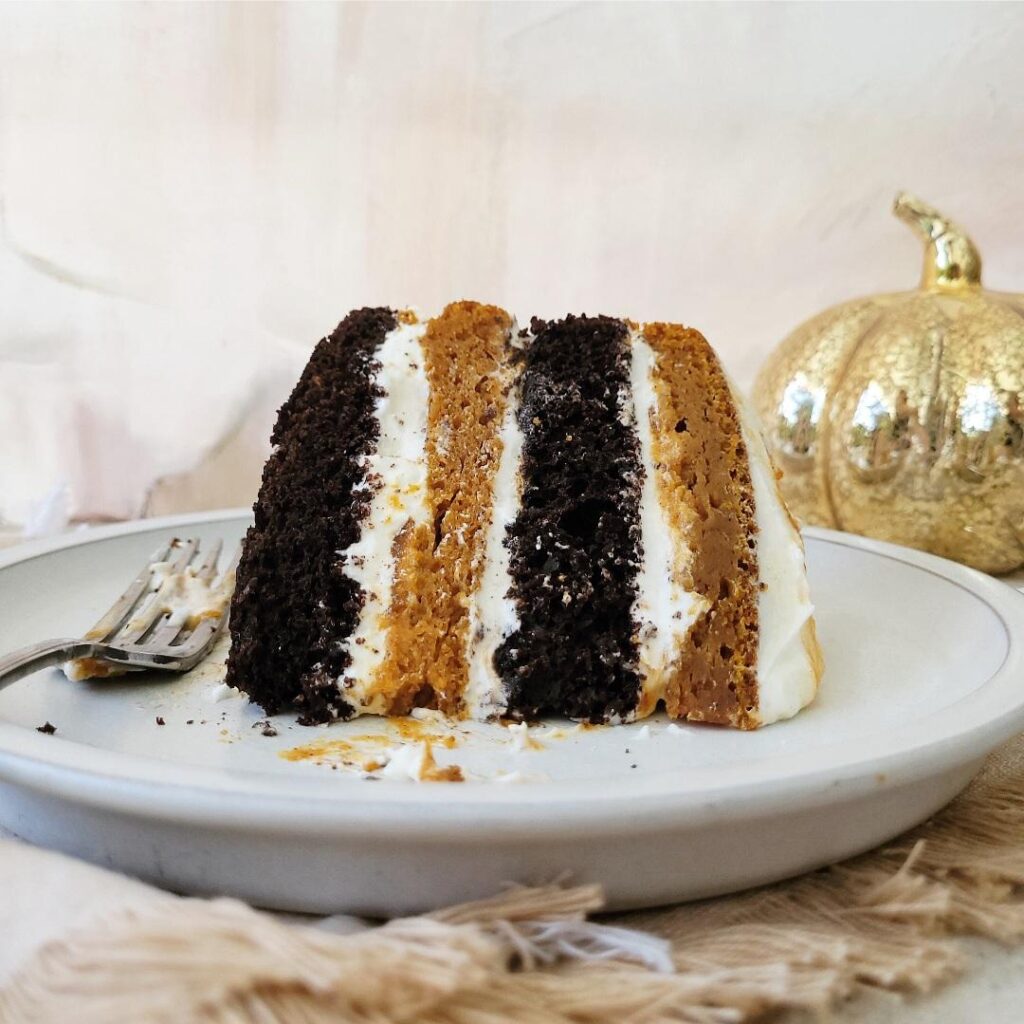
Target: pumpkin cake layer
<point>699,442</point>
<point>578,519</point>
<point>441,558</point>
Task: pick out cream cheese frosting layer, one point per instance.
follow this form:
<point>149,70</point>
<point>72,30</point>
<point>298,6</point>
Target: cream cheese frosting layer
<point>396,473</point>
<point>788,665</point>
<point>665,610</point>
<point>492,609</point>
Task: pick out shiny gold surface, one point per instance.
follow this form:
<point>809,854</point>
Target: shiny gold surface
<point>950,260</point>
<point>901,416</point>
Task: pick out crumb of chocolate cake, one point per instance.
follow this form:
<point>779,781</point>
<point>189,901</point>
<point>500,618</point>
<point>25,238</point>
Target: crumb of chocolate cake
<point>288,612</point>
<point>574,543</point>
<point>47,728</point>
<point>265,728</point>
<point>160,721</point>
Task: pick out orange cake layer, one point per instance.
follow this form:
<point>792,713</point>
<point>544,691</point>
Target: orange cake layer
<point>708,493</point>
<point>438,565</point>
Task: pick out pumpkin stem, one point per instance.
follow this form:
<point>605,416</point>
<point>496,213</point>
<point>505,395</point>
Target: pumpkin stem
<point>951,260</point>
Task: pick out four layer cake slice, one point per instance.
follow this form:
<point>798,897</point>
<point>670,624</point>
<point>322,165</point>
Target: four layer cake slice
<point>575,519</point>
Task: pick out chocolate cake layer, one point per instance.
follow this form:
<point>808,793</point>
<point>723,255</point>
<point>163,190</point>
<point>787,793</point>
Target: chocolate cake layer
<point>701,448</point>
<point>574,545</point>
<point>293,603</point>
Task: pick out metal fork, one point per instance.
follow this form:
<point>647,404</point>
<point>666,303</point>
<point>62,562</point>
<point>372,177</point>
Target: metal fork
<point>143,628</point>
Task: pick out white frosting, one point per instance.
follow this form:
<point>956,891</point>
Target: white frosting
<point>396,471</point>
<point>518,777</point>
<point>221,692</point>
<point>664,608</point>
<point>492,611</point>
<point>785,671</point>
<point>183,596</point>
<point>429,715</point>
<point>520,737</point>
<point>405,763</point>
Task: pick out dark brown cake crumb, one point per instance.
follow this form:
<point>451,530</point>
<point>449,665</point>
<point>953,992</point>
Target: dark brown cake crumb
<point>265,728</point>
<point>575,543</point>
<point>160,721</point>
<point>293,602</point>
<point>46,728</point>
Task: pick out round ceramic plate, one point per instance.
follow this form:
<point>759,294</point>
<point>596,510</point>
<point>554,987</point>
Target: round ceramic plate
<point>924,677</point>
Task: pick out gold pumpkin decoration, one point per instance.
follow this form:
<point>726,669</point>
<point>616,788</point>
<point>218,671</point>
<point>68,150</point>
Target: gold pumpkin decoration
<point>901,416</point>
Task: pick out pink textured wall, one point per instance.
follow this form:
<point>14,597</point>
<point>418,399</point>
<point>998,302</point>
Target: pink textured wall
<point>222,182</point>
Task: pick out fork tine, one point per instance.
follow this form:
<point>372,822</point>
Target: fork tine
<point>139,624</point>
<point>208,566</point>
<point>111,621</point>
<point>195,645</point>
<point>165,635</point>
<point>135,626</point>
<point>140,629</point>
<point>165,632</point>
<point>185,554</point>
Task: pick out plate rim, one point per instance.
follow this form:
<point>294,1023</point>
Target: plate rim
<point>75,772</point>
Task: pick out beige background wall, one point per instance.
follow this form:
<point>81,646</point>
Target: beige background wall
<point>219,184</point>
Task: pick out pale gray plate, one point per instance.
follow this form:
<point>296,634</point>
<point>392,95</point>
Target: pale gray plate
<point>924,677</point>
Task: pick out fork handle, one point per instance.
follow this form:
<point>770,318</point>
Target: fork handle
<point>42,655</point>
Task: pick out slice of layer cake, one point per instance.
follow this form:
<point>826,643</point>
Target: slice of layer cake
<point>578,519</point>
